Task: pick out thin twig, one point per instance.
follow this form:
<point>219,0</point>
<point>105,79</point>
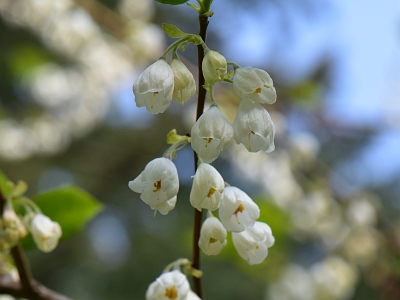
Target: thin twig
<point>203,21</point>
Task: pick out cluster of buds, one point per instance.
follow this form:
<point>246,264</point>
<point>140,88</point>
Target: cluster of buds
<point>45,232</point>
<point>158,184</point>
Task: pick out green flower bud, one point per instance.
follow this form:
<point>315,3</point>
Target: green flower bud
<point>214,67</point>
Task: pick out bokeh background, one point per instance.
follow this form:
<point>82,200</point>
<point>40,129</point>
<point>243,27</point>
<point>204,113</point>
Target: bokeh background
<point>330,191</point>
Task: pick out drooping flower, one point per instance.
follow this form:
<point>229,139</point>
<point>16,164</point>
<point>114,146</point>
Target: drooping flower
<point>184,84</point>
<point>207,188</point>
<point>253,127</point>
<point>237,211</point>
<point>158,184</point>
<point>254,85</point>
<point>45,232</point>
<point>212,236</point>
<point>211,134</point>
<point>252,244</point>
<point>154,87</point>
<point>192,296</point>
<point>169,286</point>
<point>214,67</point>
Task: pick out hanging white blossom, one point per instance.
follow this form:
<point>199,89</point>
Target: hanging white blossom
<point>211,134</point>
<point>253,127</point>
<point>237,211</point>
<point>207,188</point>
<point>158,183</point>
<point>254,85</point>
<point>169,286</point>
<point>154,87</point>
<point>252,244</point>
<point>184,84</point>
<point>212,236</point>
<point>45,232</point>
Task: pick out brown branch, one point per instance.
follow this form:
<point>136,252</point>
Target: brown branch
<point>203,21</point>
<point>27,287</point>
<point>104,16</point>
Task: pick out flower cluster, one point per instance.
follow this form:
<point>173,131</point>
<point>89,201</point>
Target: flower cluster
<point>45,232</point>
<point>158,184</point>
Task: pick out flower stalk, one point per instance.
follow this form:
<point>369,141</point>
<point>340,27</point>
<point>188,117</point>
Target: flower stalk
<point>203,23</point>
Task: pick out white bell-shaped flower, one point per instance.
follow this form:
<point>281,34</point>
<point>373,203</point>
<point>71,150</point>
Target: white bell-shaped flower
<point>237,211</point>
<point>211,134</point>
<point>192,296</point>
<point>253,127</point>
<point>254,85</point>
<point>212,236</point>
<point>207,188</point>
<point>169,286</point>
<point>214,67</point>
<point>45,232</point>
<point>252,244</point>
<point>158,184</point>
<point>154,87</point>
<point>184,84</point>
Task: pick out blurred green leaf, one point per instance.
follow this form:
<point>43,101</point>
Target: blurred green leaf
<point>70,206</point>
<point>305,92</point>
<point>25,58</point>
<point>5,188</point>
<point>172,2</point>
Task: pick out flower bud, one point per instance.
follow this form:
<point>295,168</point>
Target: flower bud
<point>45,232</point>
<point>184,84</point>
<point>254,85</point>
<point>158,183</point>
<point>253,127</point>
<point>169,286</point>
<point>212,236</point>
<point>237,211</point>
<point>214,67</point>
<point>252,244</point>
<point>207,188</point>
<point>211,134</point>
<point>153,88</point>
<point>13,224</point>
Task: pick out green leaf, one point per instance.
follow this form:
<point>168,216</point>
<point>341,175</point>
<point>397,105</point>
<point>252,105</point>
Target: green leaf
<point>5,188</point>
<point>172,2</point>
<point>70,206</point>
<point>173,31</point>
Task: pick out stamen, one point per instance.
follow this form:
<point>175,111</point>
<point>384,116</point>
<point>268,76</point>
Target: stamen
<point>240,209</point>
<point>209,195</point>
<point>208,140</point>
<point>212,240</point>
<point>258,90</point>
<point>252,252</point>
<point>157,185</point>
<point>248,138</point>
<point>152,99</point>
<point>172,292</point>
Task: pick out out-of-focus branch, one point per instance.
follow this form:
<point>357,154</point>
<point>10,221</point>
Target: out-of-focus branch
<point>28,287</point>
<point>104,16</point>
